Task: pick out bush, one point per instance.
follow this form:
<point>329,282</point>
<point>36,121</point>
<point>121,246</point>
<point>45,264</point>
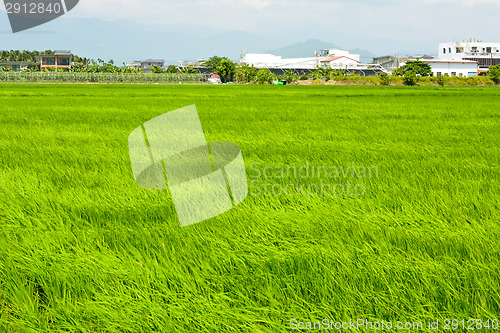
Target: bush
<point>426,81</point>
<point>325,73</point>
<point>384,79</point>
<point>189,70</point>
<point>361,80</point>
<point>264,76</point>
<point>440,80</point>
<point>290,76</point>
<point>172,69</point>
<point>157,70</point>
<point>494,74</point>
<point>410,78</point>
<point>304,78</point>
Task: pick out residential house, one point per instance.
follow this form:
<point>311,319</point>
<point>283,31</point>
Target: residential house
<point>58,60</point>
<point>145,65</point>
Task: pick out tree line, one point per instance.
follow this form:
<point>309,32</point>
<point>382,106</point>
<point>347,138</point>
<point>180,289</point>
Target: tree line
<point>230,71</point>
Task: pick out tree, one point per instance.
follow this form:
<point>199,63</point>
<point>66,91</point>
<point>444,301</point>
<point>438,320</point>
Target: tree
<point>416,66</point>
<point>213,63</point>
<point>494,73</point>
<point>157,70</point>
<point>172,69</point>
<point>290,76</point>
<point>226,70</point>
<point>246,73</point>
<point>189,70</point>
<point>265,76</point>
<point>327,73</point>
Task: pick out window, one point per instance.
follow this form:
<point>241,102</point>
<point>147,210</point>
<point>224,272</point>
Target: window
<point>460,74</point>
<point>444,50</point>
<point>64,62</point>
<point>453,73</point>
<point>49,62</point>
<point>439,73</point>
<point>449,50</point>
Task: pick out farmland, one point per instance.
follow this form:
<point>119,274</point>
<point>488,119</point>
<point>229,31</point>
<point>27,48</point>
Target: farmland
<point>83,249</point>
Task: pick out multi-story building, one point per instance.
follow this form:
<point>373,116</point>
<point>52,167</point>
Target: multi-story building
<point>387,62</point>
<point>485,54</point>
<point>146,65</point>
<point>58,60</point>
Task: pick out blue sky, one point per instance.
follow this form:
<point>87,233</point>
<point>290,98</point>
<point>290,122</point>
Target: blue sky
<point>383,26</point>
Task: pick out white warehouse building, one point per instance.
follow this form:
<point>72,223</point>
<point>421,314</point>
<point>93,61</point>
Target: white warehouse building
<point>461,68</point>
<point>325,57</point>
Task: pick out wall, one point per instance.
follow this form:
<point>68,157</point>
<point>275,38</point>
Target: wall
<point>462,69</point>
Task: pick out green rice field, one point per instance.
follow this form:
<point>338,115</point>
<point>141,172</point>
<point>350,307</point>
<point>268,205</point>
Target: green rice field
<point>365,203</point>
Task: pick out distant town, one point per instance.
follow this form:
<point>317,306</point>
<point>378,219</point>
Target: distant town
<point>468,58</point>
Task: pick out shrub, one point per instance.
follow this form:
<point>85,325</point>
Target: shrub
<point>157,70</point>
<point>290,76</point>
<point>264,76</point>
<point>425,81</point>
<point>440,80</point>
<point>172,69</point>
<point>304,78</point>
<point>410,78</point>
<point>384,79</point>
<point>189,70</point>
<point>494,74</point>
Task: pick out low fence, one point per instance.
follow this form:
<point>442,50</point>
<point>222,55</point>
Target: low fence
<point>76,77</point>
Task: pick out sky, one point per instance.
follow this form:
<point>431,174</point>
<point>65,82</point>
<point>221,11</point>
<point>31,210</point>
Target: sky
<point>383,26</point>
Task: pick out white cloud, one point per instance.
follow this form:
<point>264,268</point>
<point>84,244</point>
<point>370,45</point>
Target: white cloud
<point>348,23</point>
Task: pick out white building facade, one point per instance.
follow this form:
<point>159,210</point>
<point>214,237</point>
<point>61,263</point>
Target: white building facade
<point>485,54</point>
<point>460,68</point>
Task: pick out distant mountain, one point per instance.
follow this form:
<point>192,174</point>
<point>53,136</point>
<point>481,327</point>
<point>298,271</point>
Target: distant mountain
<point>307,48</point>
<point>366,56</point>
<point>302,50</point>
<point>125,41</point>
